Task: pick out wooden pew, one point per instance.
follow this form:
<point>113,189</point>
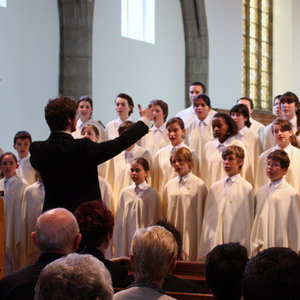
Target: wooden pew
<point>193,271</point>
<point>2,237</point>
<point>183,296</point>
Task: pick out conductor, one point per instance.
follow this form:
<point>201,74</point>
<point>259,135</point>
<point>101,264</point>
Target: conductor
<point>68,166</point>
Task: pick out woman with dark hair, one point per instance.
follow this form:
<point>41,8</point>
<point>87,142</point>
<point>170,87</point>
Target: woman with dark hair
<point>225,130</point>
<point>290,107</point>
<point>124,108</point>
<point>96,225</point>
<point>240,115</point>
<point>84,116</point>
<point>199,131</point>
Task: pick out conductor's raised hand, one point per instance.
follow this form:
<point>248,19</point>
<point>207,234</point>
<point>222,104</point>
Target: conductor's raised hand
<point>146,112</point>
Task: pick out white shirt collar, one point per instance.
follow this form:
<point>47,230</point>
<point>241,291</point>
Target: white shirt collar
<point>287,149</point>
<point>225,144</point>
<point>234,178</point>
<point>243,130</point>
<point>143,186</point>
<point>293,121</point>
<point>24,159</point>
<point>184,178</point>
<point>119,121</point>
<point>161,128</point>
<point>132,151</point>
<point>275,184</point>
<point>205,121</point>
<point>171,147</point>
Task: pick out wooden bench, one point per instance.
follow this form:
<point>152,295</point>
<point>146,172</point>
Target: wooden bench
<point>183,296</point>
<point>2,237</point>
<point>193,271</point>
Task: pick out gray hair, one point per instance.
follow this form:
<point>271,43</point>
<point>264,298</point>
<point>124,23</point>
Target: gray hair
<point>154,251</point>
<point>56,231</point>
<point>74,277</point>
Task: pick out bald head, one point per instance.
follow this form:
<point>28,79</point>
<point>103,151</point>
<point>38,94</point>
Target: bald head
<point>57,231</point>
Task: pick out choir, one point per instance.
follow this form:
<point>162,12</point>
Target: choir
<point>210,178</point>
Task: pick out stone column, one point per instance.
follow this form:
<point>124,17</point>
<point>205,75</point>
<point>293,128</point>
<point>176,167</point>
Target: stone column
<point>196,43</point>
<point>76,45</point>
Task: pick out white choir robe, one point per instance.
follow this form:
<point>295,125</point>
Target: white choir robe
<point>106,194</point>
<point>253,144</point>
<point>12,208</point>
<point>212,163</point>
<point>277,220</point>
<point>26,171</point>
<point>187,115</point>
<point>163,170</point>
<point>79,126</point>
<point>134,211</point>
<point>119,170</point>
<point>257,127</point>
<point>148,141</point>
<point>183,206</point>
<point>293,174</point>
<point>195,139</point>
<point>228,215</point>
<point>31,209</point>
<point>111,129</point>
<point>268,137</point>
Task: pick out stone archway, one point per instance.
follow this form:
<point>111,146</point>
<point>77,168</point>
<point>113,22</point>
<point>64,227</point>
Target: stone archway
<point>196,43</point>
<point>76,45</point>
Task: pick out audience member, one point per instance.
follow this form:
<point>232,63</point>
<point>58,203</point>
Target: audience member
<point>72,277</point>
<point>96,224</point>
<point>56,234</point>
<point>273,274</point>
<point>224,267</point>
<point>154,253</point>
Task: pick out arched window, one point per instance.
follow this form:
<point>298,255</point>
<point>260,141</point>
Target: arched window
<point>257,53</point>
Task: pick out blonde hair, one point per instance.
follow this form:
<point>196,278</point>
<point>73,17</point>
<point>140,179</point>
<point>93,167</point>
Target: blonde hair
<point>185,155</point>
<point>154,250</point>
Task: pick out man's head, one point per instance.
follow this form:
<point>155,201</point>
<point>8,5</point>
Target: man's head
<point>96,223</point>
<point>224,267</point>
<point>154,253</point>
<point>22,141</point>
<point>196,88</point>
<point>56,231</point>
<point>272,274</point>
<point>177,235</point>
<point>60,114</point>
<point>74,277</point>
<point>248,102</point>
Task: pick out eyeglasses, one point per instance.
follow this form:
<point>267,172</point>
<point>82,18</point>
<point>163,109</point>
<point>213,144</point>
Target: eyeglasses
<point>273,164</point>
